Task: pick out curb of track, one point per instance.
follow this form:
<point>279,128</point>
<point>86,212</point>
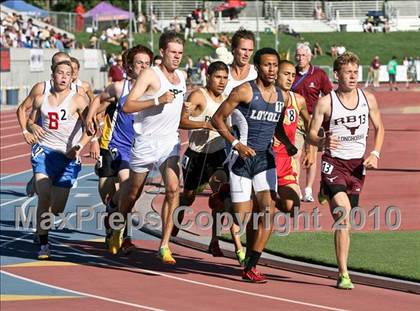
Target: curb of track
<point>200,243</point>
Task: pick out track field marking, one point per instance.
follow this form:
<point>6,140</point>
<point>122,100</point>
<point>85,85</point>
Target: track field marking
<point>13,145</point>
<point>5,298</point>
<point>9,127</point>
<point>15,157</point>
<point>9,120</point>
<point>10,135</point>
<point>80,293</point>
<point>15,174</point>
<point>201,283</point>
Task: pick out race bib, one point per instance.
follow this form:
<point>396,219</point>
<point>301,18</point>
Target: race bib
<point>37,150</point>
<point>185,161</point>
<point>327,168</point>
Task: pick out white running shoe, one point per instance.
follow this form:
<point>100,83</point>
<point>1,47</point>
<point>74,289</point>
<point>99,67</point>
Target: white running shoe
<point>308,197</point>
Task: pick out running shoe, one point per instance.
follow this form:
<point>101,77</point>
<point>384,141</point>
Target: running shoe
<point>30,189</point>
<point>253,276</point>
<point>127,246</point>
<point>115,241</point>
<point>322,198</point>
<point>308,197</point>
<point>44,252</point>
<point>165,255</point>
<point>344,282</point>
<point>35,238</point>
<point>240,255</point>
<point>214,249</point>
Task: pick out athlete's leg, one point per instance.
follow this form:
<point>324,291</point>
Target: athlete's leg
<point>289,198</point>
<point>107,186</point>
<point>43,184</point>
<point>59,196</point>
<point>170,174</point>
<point>341,234</point>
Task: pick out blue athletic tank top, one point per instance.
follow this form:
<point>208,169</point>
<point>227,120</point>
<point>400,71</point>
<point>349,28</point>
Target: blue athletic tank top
<point>122,136</point>
<point>254,123</point>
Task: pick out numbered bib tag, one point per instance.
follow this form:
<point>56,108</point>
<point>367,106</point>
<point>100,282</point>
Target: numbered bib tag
<point>36,151</point>
<point>185,161</point>
<point>114,153</point>
<point>327,168</point>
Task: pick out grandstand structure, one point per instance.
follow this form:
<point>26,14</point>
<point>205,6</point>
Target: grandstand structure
<point>297,15</point>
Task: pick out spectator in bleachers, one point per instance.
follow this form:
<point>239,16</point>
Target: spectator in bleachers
<point>214,41</point>
<point>93,42</point>
<point>189,32</point>
<point>189,68</point>
<point>58,43</point>
<point>116,72</point>
<point>318,13</point>
<point>317,50</point>
<point>341,49</point>
<point>141,23</point>
<point>386,27</point>
<point>80,20</point>
<point>157,60</point>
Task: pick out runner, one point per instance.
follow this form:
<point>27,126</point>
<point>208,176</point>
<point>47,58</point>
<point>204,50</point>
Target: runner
<point>156,142</point>
<point>344,115</point>
<point>203,160</point>
<point>138,59</point>
<point>256,108</point>
<point>55,155</point>
<point>288,187</point>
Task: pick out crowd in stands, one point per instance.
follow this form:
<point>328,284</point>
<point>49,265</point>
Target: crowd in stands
<point>377,23</point>
<point>17,32</point>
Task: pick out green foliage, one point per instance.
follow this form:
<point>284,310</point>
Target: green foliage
<point>393,254</point>
<point>70,5</point>
<point>366,45</point>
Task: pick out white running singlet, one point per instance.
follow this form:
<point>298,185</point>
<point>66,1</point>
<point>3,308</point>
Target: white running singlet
<point>350,126</point>
<point>62,129</point>
<point>162,120</point>
<point>204,140</point>
<point>232,83</point>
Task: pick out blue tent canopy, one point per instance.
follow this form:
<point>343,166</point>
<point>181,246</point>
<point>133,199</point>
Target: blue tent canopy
<point>26,8</point>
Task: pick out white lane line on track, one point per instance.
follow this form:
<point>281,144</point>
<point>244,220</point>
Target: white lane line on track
<point>59,221</point>
<point>15,157</point>
<point>9,127</point>
<point>13,145</point>
<point>23,198</point>
<point>10,135</point>
<point>81,293</point>
<point>13,201</point>
<point>15,174</point>
<point>8,120</point>
<point>201,283</point>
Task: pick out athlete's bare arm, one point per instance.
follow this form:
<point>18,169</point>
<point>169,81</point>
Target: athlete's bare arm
<point>376,119</point>
<point>27,104</point>
<point>101,102</point>
<point>303,110</point>
<point>322,111</point>
<point>31,125</point>
<point>195,105</point>
<point>86,86</point>
<point>310,152</point>
<point>240,94</point>
<point>147,83</point>
<point>81,108</point>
